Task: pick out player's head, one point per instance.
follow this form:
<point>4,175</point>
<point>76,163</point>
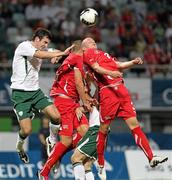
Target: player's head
<point>41,38</point>
<point>77,46</point>
<point>88,43</point>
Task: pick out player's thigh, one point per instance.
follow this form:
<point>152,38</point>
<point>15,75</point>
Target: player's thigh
<point>127,111</point>
<point>109,104</point>
<point>51,112</point>
<point>67,124</point>
<point>82,129</point>
<point>81,126</point>
<point>77,156</point>
<point>22,104</point>
<point>87,145</point>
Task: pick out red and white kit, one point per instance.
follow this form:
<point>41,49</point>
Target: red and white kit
<point>65,95</point>
<point>115,100</point>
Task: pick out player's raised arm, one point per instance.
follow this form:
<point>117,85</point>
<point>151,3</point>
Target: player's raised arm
<point>101,70</point>
<point>49,55</point>
<point>129,64</point>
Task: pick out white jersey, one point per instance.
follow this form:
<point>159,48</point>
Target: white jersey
<point>25,68</point>
<point>94,117</point>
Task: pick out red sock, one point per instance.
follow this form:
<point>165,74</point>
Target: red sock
<point>142,141</point>
<point>101,144</point>
<point>55,155</point>
<point>76,139</point>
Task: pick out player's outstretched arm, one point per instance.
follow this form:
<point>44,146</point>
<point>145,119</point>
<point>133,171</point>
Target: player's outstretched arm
<point>129,64</point>
<point>50,55</point>
<point>101,70</point>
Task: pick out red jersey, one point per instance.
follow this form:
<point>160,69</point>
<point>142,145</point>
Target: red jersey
<point>65,81</point>
<point>104,60</point>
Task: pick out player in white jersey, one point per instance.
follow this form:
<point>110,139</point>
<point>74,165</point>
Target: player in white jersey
<point>26,93</point>
<point>85,153</point>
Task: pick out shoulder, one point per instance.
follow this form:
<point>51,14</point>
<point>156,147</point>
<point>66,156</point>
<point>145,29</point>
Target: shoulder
<point>90,50</point>
<point>74,58</point>
<point>25,44</point>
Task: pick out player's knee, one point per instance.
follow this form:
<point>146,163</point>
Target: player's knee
<point>132,122</point>
<point>27,130</point>
<point>53,114</point>
<point>87,166</point>
<point>67,141</point>
<point>74,158</point>
<point>56,119</point>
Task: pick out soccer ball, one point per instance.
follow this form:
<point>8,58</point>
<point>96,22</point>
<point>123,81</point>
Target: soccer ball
<point>89,16</point>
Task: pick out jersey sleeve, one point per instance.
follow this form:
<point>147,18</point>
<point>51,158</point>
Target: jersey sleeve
<point>26,49</point>
<point>89,57</point>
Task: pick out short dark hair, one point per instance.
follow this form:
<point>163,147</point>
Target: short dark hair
<point>42,32</point>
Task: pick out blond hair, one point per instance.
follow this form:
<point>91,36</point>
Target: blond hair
<point>77,46</point>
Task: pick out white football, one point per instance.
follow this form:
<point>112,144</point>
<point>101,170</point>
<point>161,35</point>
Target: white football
<point>89,16</point>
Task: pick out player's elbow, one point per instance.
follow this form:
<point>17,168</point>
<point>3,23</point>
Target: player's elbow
<point>97,68</point>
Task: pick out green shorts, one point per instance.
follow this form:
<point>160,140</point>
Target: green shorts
<point>87,145</point>
<point>25,101</point>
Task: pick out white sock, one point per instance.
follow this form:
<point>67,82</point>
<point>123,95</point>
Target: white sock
<point>19,144</point>
<point>19,138</point>
<point>79,171</point>
<point>53,132</point>
<point>89,175</point>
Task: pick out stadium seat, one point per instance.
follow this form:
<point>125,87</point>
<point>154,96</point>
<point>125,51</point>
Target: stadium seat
<point>27,31</point>
<point>11,34</point>
<point>18,17</point>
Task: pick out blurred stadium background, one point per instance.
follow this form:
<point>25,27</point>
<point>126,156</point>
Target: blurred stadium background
<point>126,29</point>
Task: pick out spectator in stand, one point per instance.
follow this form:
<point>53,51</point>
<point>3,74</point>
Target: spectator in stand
<point>34,10</point>
<point>60,12</point>
<point>159,33</point>
<point>151,18</point>
<point>111,19</point>
<point>168,32</point>
<point>49,11</point>
<point>140,44</point>
<point>147,31</point>
<point>127,16</point>
<point>128,42</point>
<point>114,42</point>
<point>150,59</point>
<point>68,26</point>
<point>99,7</point>
<point>163,59</point>
<point>3,57</point>
<point>6,13</point>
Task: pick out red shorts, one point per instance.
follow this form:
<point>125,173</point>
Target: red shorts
<point>116,102</point>
<point>69,119</point>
